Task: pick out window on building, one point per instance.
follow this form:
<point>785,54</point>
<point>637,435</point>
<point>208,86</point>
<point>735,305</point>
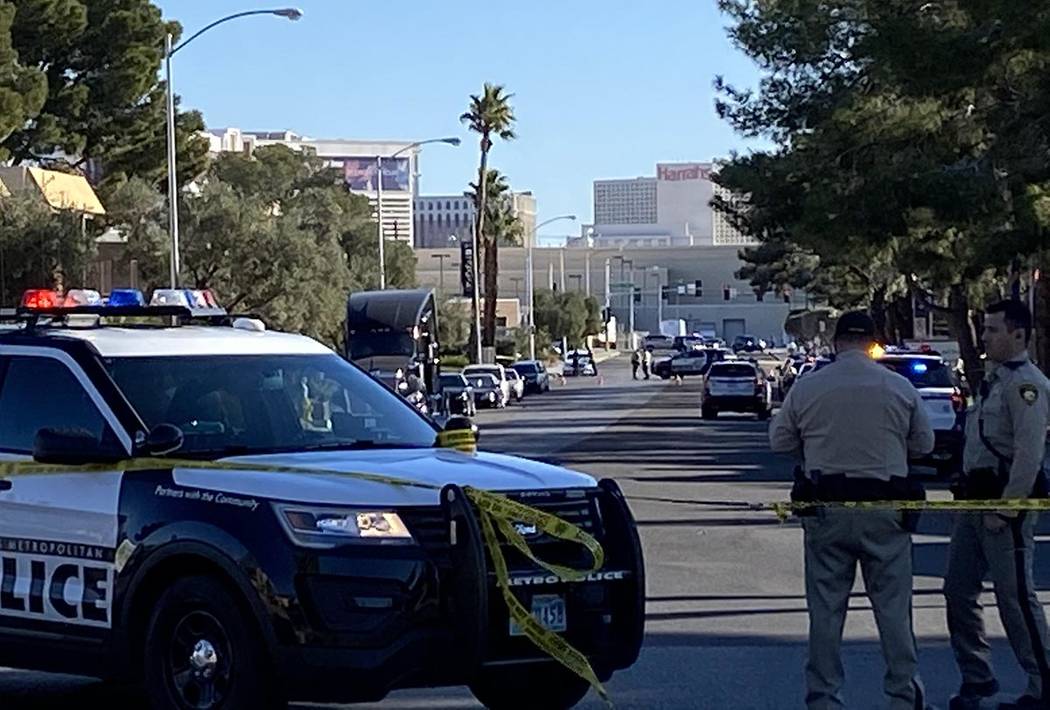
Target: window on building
<point>448,205</point>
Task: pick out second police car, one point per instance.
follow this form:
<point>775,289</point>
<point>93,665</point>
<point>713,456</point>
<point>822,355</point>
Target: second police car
<point>249,586</point>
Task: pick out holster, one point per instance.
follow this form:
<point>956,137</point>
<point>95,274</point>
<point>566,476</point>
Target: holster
<point>803,490</point>
<point>982,484</point>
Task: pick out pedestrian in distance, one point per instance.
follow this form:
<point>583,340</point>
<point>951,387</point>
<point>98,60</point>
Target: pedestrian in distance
<point>1002,458</point>
<point>647,362</point>
<point>854,424</point>
<point>636,361</point>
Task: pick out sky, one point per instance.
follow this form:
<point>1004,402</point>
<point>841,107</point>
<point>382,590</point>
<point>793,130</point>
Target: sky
<point>602,88</point>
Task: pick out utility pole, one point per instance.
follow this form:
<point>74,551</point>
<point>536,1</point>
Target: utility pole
<point>441,270</point>
<point>587,271</point>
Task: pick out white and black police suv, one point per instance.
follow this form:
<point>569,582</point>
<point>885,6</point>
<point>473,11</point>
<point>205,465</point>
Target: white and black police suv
<point>247,587</point>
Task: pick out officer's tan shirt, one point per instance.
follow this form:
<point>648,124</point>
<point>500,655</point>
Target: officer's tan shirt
<point>1015,412</point>
<point>853,417</point>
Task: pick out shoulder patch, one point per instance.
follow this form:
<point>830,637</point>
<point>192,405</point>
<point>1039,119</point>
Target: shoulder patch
<point>1029,393</point>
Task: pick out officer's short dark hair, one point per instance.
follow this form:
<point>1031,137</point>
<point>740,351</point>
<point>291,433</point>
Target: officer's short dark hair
<point>1015,315</point>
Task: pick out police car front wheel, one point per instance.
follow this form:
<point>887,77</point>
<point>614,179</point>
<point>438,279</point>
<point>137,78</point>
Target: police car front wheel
<point>551,687</point>
<point>200,652</point>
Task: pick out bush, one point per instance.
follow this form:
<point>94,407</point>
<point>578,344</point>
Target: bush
<point>452,362</point>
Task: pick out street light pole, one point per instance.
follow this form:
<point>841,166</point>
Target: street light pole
<point>379,198</point>
<point>289,13</point>
<point>173,204</point>
<point>531,280</point>
<point>441,271</point>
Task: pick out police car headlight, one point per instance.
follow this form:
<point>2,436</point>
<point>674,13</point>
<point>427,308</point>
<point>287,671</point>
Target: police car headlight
<point>329,528</point>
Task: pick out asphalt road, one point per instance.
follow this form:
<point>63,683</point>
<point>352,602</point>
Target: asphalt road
<point>726,609</point>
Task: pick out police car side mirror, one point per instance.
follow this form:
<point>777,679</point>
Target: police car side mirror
<point>164,439</point>
<point>72,447</point>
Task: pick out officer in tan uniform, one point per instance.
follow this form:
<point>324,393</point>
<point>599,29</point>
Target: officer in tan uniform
<point>855,423</point>
<point>1003,458</point>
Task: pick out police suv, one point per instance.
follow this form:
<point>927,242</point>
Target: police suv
<point>253,584</point>
<point>942,399</point>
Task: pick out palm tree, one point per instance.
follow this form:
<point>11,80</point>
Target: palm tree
<point>501,223</point>
<point>490,116</point>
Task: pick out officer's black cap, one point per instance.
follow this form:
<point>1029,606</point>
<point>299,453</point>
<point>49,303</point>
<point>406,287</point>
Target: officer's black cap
<point>856,324</point>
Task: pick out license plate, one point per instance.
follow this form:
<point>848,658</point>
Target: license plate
<point>549,610</point>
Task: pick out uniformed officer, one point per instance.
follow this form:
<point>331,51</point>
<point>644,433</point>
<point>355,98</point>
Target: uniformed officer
<point>855,423</point>
<point>1003,457</point>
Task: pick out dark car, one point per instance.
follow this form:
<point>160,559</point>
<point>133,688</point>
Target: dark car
<point>747,344</point>
<point>535,375</point>
<point>487,391</point>
<point>459,393</point>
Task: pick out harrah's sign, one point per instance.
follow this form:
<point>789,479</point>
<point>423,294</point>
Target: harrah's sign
<point>683,171</point>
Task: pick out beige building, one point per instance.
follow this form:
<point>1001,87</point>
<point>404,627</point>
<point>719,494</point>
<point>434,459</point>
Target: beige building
<point>672,209</point>
<point>695,284</point>
<point>444,220</point>
<point>358,159</point>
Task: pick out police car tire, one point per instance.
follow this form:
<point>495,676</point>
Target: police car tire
<point>249,684</point>
<point>550,687</point>
<point>708,413</point>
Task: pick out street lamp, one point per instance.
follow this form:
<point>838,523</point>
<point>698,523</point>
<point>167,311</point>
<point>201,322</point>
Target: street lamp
<point>379,197</point>
<point>530,282</point>
<point>289,13</point>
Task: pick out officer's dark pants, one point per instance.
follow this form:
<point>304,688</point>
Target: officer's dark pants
<point>835,541</point>
<point>1006,557</point>
<point>634,370</point>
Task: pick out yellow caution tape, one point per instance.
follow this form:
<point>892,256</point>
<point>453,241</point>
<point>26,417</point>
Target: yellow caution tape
<point>494,509</point>
<point>460,439</point>
<point>784,509</point>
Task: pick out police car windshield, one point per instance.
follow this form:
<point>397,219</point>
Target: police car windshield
<point>921,372</point>
<point>259,404</point>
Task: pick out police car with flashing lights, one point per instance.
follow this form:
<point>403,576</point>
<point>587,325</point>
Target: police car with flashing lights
<point>943,400</point>
<point>246,587</point>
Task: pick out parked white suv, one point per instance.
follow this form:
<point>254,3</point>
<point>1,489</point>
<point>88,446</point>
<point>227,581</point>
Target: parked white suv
<point>736,386</point>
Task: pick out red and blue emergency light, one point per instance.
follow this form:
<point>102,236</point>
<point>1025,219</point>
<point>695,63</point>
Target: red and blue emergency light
<point>39,299</point>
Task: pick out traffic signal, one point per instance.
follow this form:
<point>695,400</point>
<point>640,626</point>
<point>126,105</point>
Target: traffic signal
<point>637,294</point>
<point>665,293</point>
<point>699,288</point>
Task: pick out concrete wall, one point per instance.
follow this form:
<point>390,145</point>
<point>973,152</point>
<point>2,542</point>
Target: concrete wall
<point>585,270</point>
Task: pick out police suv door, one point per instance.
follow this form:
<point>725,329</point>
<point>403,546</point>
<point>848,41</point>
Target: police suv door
<point>57,531</point>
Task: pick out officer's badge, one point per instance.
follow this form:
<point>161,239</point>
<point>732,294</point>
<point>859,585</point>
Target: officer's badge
<point>1029,394</point>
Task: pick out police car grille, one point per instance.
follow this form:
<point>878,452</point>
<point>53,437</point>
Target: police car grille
<point>430,529</point>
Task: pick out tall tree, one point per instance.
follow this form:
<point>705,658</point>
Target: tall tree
<point>23,89</point>
<point>490,115</point>
<point>104,102</point>
<point>41,247</point>
<point>905,137</point>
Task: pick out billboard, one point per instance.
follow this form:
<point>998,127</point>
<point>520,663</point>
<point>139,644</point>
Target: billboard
<point>360,174</point>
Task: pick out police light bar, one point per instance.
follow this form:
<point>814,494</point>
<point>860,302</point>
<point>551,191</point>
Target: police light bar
<point>40,298</point>
<point>122,297</point>
<point>82,297</point>
<point>123,301</point>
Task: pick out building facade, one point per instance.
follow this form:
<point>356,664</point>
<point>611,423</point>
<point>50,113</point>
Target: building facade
<point>625,201</point>
<point>358,160</point>
<point>443,220</point>
<point>672,209</point>
<point>695,284</point>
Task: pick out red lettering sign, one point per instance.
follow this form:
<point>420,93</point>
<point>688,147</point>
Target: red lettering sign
<point>676,173</point>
